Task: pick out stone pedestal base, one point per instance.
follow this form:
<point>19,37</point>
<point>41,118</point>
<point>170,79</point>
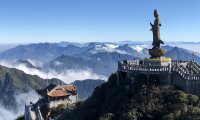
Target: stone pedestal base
<point>157,52</point>
<point>160,61</point>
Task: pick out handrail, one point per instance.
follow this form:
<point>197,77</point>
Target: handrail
<point>180,69</point>
<point>144,68</point>
<point>184,69</point>
<point>196,66</point>
<point>184,74</point>
<point>193,68</point>
<point>176,62</point>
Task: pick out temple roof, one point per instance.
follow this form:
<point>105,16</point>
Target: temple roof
<point>54,90</point>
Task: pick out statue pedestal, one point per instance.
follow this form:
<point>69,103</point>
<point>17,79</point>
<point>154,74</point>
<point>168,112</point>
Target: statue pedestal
<point>156,52</point>
<point>162,61</point>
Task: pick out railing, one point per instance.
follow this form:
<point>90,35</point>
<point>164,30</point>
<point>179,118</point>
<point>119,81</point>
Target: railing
<point>144,68</point>
<point>184,69</point>
<point>176,67</point>
<point>185,74</point>
<point>196,66</point>
<point>177,62</point>
<point>192,68</point>
<point>180,71</point>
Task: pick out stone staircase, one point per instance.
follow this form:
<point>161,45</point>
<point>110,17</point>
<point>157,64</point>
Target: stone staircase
<point>196,66</point>
<point>189,71</point>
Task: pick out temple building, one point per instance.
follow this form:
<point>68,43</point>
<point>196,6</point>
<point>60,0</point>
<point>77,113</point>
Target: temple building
<point>59,94</point>
<point>51,96</point>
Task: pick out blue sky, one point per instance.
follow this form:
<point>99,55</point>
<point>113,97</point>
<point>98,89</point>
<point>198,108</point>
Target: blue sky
<point>28,21</point>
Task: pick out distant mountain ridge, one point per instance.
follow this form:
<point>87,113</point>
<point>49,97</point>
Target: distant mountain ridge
<point>182,54</point>
<point>86,87</point>
<point>101,58</point>
<point>41,51</point>
<point>26,63</point>
<point>49,51</point>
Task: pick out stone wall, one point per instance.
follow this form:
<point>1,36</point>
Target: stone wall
<point>189,86</point>
<point>71,99</point>
<point>178,81</point>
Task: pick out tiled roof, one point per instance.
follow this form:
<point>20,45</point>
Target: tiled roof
<point>66,90</point>
<point>58,91</point>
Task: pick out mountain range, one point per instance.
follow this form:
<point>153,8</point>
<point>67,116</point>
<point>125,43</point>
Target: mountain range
<point>86,87</point>
<point>101,58</point>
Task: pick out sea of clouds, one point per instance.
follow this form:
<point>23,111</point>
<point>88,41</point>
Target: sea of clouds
<point>22,100</point>
<point>67,76</point>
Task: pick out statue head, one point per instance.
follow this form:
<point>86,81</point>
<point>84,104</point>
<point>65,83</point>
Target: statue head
<point>156,15</point>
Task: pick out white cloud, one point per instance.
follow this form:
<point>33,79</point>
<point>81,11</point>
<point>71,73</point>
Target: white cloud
<point>57,63</point>
<point>6,114</point>
<point>99,59</point>
<point>36,63</point>
<point>70,76</point>
<point>106,48</point>
<point>67,76</point>
<point>22,100</point>
<point>26,98</point>
<point>139,47</point>
<point>112,45</point>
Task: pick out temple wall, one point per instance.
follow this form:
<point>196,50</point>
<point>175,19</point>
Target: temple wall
<point>71,99</point>
<point>178,81</point>
<point>58,102</point>
<point>189,86</point>
<point>192,87</point>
